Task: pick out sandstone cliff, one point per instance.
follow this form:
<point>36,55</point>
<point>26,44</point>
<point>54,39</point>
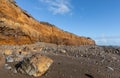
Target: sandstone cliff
<point>18,27</point>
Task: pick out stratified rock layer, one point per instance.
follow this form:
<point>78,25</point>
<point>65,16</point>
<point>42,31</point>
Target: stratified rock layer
<point>18,27</point>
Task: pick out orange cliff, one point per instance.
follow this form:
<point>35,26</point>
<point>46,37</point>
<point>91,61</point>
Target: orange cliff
<point>18,27</point>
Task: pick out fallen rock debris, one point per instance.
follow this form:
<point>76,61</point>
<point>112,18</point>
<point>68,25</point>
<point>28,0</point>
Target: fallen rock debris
<point>36,65</point>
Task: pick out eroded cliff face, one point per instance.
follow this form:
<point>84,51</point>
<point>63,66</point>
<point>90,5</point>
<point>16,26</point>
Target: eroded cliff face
<point>18,27</point>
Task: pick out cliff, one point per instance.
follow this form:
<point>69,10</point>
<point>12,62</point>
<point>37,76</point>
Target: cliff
<point>18,27</point>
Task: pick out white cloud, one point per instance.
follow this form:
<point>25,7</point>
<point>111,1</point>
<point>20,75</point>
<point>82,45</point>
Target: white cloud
<point>108,40</point>
<point>58,6</point>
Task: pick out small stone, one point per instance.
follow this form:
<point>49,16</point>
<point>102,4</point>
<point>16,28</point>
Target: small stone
<point>81,55</point>
<point>96,63</point>
<point>35,49</point>
<point>26,48</point>
<point>88,75</point>
<point>24,52</point>
<point>8,67</point>
<point>14,71</point>
<point>19,57</point>
<point>63,51</point>
<point>114,58</point>
<point>110,68</point>
<point>9,59</point>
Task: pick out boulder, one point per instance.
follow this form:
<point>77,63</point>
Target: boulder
<point>36,65</point>
<point>8,52</point>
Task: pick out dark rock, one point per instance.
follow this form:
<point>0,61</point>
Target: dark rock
<point>88,75</point>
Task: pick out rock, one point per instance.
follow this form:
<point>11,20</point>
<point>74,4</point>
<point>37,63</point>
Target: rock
<point>110,68</point>
<point>81,55</point>
<point>26,48</point>
<point>89,76</point>
<point>22,53</point>
<point>7,52</point>
<point>35,65</point>
<point>63,51</point>
<point>9,59</point>
<point>19,57</point>
<point>35,49</point>
<point>14,71</point>
<point>7,67</point>
<point>114,58</point>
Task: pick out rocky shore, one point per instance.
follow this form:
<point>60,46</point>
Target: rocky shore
<point>68,61</point>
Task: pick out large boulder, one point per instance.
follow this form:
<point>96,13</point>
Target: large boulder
<point>36,65</point>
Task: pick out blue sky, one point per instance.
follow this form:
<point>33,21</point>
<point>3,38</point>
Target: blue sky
<point>98,19</point>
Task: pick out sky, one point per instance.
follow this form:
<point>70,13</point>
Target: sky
<point>97,19</point>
